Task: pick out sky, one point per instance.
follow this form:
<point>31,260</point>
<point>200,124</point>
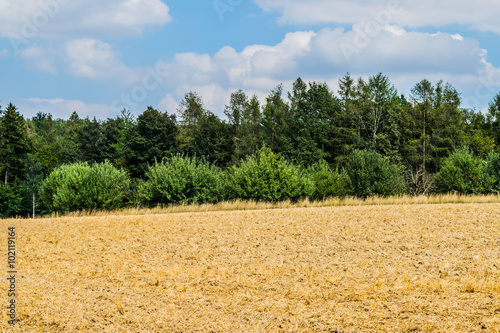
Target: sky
<point>98,57</point>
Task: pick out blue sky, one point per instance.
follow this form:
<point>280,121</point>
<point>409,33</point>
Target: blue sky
<point>97,57</point>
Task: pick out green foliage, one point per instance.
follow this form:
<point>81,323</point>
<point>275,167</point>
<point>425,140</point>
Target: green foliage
<point>275,122</point>
<point>244,124</point>
<point>153,139</point>
<point>462,173</point>
<point>267,176</point>
<point>14,145</point>
<point>182,179</point>
<point>44,135</point>
<point>91,141</point>
<point>10,200</point>
<point>312,113</point>
<point>83,186</point>
<point>313,124</point>
<point>234,112</point>
<point>191,111</point>
<point>213,140</point>
<point>70,151</point>
<point>493,118</point>
<point>371,174</point>
<point>251,127</point>
<point>30,188</point>
<point>492,169</point>
<point>327,182</point>
<point>202,133</point>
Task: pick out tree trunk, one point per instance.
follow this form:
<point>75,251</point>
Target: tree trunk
<point>423,162</point>
<point>33,204</point>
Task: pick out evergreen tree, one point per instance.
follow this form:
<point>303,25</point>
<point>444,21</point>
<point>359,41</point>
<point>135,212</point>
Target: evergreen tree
<point>14,145</point>
<point>91,141</point>
<point>70,152</point>
<point>153,139</point>
<point>347,128</point>
<point>120,133</point>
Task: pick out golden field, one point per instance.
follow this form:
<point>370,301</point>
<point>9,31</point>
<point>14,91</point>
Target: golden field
<point>359,268</point>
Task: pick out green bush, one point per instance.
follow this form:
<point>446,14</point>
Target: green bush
<point>371,174</point>
<point>462,173</point>
<point>81,186</point>
<point>327,182</point>
<point>182,179</point>
<point>492,169</point>
<point>63,188</point>
<point>106,187</point>
<point>267,176</point>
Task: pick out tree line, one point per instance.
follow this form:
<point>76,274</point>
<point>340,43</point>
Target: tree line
<point>319,132</point>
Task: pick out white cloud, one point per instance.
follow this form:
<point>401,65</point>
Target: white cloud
<point>406,57</point>
<point>321,55</point>
<point>62,108</point>
<point>330,53</point>
<point>169,103</point>
<point>255,66</point>
<point>41,59</point>
<point>93,59</point>
<point>326,55</point>
<point>480,14</point>
<point>457,37</point>
<point>27,19</point>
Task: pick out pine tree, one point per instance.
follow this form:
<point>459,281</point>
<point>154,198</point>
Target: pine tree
<point>14,145</point>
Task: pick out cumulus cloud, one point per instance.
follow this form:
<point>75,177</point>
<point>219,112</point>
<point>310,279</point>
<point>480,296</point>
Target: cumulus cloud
<point>27,19</point>
<point>93,59</point>
<point>40,59</point>
<point>480,14</point>
<point>255,66</point>
<point>405,56</point>
<point>326,55</point>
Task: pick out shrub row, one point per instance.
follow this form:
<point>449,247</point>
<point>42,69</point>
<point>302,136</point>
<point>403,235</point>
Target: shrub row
<point>266,176</point>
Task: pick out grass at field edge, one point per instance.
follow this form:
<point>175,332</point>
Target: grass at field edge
<point>253,205</point>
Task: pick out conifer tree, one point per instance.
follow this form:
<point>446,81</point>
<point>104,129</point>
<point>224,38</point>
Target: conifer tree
<point>14,145</point>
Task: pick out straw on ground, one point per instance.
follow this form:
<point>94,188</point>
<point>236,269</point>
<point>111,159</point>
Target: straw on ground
<point>371,268</point>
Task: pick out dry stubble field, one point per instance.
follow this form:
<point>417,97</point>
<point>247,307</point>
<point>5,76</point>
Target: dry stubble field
<point>392,268</point>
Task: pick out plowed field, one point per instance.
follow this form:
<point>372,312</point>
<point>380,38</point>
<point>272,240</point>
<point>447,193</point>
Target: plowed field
<point>391,268</point>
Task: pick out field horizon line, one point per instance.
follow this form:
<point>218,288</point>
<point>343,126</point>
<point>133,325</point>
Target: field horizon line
<point>249,205</point>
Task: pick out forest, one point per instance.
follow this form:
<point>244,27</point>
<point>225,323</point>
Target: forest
<point>364,140</point>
